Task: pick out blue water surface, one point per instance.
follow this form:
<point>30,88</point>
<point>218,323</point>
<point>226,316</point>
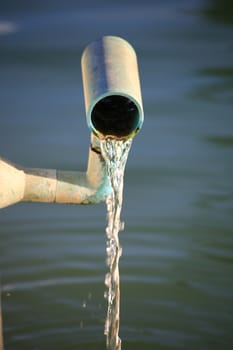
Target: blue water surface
<point>177,264</point>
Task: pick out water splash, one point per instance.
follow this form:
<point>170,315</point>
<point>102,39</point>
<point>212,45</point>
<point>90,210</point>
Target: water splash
<point>115,153</point>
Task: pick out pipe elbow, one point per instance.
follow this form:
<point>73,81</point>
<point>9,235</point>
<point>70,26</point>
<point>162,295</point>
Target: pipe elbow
<point>88,187</point>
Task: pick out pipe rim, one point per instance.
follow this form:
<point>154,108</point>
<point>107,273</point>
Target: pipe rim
<point>101,135</point>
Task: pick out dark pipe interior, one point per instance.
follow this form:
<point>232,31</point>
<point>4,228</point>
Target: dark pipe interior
<point>115,115</point>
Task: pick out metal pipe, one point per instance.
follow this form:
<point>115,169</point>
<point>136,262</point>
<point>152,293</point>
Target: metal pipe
<point>112,91</point>
<point>49,185</point>
<point>114,109</point>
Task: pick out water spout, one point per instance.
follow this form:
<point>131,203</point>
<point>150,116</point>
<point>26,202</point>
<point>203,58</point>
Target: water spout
<point>113,110</point>
<point>114,116</point>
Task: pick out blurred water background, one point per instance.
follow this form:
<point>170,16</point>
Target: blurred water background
<point>177,263</point>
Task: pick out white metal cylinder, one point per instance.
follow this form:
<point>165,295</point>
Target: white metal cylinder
<point>112,90</point>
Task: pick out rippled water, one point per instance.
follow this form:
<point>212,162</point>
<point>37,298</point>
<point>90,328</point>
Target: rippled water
<point>177,266</point>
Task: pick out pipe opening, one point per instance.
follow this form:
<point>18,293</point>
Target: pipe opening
<point>116,116</point>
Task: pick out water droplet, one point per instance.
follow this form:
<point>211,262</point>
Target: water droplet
<point>122,226</point>
<point>107,279</point>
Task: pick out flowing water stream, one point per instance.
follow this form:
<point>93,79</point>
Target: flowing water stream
<point>115,153</point>
<point>177,291</point>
